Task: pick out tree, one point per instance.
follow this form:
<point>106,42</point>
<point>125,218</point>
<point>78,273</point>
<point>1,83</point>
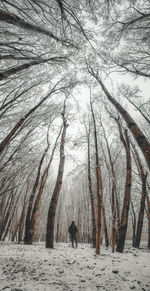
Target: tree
<point>98,185</point>
<point>136,131</point>
<point>127,193</point>
<point>143,177</point>
<point>57,189</point>
<point>91,190</point>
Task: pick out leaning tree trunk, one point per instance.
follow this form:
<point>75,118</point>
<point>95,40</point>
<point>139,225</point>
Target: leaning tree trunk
<point>55,196</point>
<point>137,133</point>
<point>98,186</point>
<point>91,194</point>
<point>126,202</point>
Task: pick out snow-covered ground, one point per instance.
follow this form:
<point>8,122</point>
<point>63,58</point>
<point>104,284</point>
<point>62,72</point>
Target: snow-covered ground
<point>28,268</point>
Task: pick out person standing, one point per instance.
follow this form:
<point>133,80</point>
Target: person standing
<point>73,230</point>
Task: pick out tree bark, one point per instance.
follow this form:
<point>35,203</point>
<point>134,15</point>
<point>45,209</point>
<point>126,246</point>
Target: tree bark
<point>105,226</point>
<point>55,196</point>
<point>141,213</point>
<point>133,223</point>
<point>126,202</point>
<point>148,214</point>
<point>98,186</point>
<point>143,177</point>
<point>91,194</point>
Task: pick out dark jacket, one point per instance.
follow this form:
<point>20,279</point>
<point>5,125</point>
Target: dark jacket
<point>72,229</point>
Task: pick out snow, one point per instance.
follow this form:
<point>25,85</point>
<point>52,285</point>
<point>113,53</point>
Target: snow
<point>33,268</point>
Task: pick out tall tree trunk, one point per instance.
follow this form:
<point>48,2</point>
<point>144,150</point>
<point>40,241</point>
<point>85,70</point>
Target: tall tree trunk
<point>137,133</point>
<point>28,234</point>
<point>91,194</point>
<point>58,221</point>
<point>141,213</point>
<point>98,186</point>
<point>55,196</point>
<point>113,210</point>
<point>126,202</point>
<point>148,215</point>
<point>143,177</point>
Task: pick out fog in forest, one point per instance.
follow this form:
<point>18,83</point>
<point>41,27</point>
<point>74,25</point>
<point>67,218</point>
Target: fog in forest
<point>74,143</point>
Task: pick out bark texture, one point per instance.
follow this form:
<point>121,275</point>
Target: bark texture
<point>55,196</point>
<point>126,202</point>
<point>143,177</point>
<point>98,186</point>
<point>91,195</point>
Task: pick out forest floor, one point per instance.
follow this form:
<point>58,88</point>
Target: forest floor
<point>33,268</point>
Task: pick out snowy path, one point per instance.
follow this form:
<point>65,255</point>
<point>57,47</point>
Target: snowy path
<point>33,268</point>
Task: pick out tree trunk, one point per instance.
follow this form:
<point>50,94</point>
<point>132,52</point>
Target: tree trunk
<point>143,177</point>
<point>5,74</point>
<point>113,232</point>
<point>133,223</point>
<point>105,227</point>
<point>137,133</point>
<point>148,214</point>
<point>126,202</point>
<point>55,196</point>
<point>28,234</point>
<point>91,194</point>
<point>141,213</point>
<point>98,186</point>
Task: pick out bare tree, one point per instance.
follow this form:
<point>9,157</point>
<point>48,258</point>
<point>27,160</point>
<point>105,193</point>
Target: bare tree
<point>98,185</point>
<point>57,189</point>
<point>136,131</point>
